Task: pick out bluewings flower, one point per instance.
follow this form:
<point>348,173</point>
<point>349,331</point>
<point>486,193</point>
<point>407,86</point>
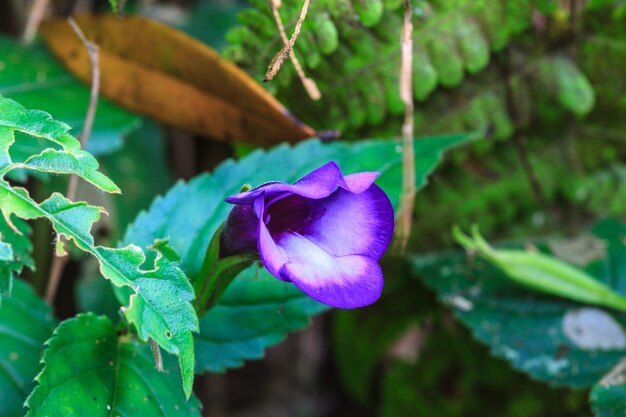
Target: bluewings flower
<point>325,233</point>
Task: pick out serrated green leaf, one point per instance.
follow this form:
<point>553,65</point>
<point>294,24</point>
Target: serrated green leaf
<point>160,302</point>
<point>25,324</point>
<point>549,338</point>
<point>15,252</point>
<point>257,311</point>
<point>32,76</point>
<point>89,371</point>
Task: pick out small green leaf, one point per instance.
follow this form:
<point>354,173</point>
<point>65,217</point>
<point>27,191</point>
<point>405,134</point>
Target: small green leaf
<point>573,89</point>
<point>446,59</point>
<point>257,310</point>
<point>25,324</point>
<point>369,11</point>
<point>89,371</point>
<point>473,45</point>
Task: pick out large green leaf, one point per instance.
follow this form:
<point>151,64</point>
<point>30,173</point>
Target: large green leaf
<point>159,305</point>
<point>32,76</point>
<point>89,371</point>
<point>551,339</point>
<point>25,324</point>
<point>257,310</point>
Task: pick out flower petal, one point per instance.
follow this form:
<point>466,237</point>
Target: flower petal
<point>353,224</point>
<point>343,282</point>
<point>318,184</point>
<point>271,255</point>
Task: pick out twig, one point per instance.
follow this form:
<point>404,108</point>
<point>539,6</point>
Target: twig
<point>156,354</point>
<point>407,199</point>
<point>309,84</point>
<point>34,18</point>
<point>58,263</point>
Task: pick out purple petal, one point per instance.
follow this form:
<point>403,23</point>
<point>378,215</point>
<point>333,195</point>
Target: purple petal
<point>353,224</point>
<point>271,255</point>
<point>357,183</point>
<point>318,184</point>
<point>343,282</point>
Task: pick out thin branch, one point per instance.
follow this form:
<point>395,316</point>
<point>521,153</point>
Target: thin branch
<point>407,199</point>
<point>277,62</point>
<point>94,57</point>
<point>35,16</point>
<point>58,263</point>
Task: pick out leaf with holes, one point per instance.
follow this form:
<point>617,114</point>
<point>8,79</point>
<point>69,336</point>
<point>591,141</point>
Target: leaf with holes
<point>159,304</point>
<point>551,339</point>
<point>257,311</point>
<point>25,324</point>
<point>89,371</point>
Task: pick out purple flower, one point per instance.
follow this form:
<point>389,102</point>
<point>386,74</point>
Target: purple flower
<point>325,233</point>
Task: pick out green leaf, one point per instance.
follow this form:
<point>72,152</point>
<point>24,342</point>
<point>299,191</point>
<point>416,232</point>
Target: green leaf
<point>257,310</point>
<point>159,306</point>
<point>549,338</point>
<point>25,324</point>
<point>15,252</point>
<point>608,397</point>
<point>89,371</point>
<point>573,90</point>
<point>32,76</point>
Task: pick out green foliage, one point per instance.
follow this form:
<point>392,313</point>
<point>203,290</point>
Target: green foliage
<point>583,342</point>
<point>453,376</point>
<point>358,355</point>
<point>161,309</point>
<point>31,76</point>
<point>608,397</point>
<point>352,51</point>
<point>256,311</point>
<point>542,272</point>
<point>141,179</point>
<point>89,370</point>
<point>15,252</point>
<point>25,324</point>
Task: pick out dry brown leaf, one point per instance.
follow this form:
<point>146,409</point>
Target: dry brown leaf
<point>160,72</point>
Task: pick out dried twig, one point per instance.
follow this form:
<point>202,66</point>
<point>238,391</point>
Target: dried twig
<point>156,354</point>
<point>59,262</point>
<point>287,51</point>
<point>407,199</point>
<point>35,16</point>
